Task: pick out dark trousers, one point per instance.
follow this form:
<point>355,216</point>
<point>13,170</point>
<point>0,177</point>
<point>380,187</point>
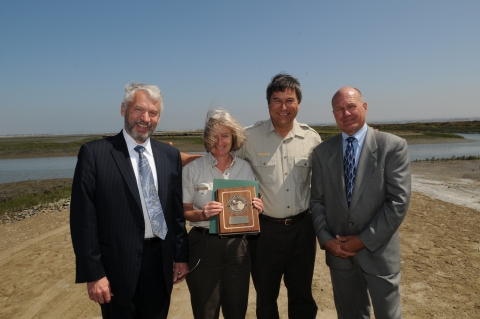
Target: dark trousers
<point>222,277</point>
<point>288,251</point>
<point>151,299</point>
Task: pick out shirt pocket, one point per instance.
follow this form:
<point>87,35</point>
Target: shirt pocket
<point>202,193</point>
<point>302,170</point>
<point>265,170</point>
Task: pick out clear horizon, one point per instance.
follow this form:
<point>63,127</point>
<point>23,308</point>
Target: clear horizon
<point>64,64</point>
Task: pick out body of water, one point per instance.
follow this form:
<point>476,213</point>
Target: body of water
<point>24,169</point>
<point>15,170</point>
<point>427,151</point>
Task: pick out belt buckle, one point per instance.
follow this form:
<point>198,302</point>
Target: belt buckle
<point>288,221</point>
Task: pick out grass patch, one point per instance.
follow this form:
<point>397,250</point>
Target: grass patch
<point>27,200</point>
<point>19,196</point>
<point>42,143</point>
<point>453,158</point>
<point>443,135</point>
<point>30,200</point>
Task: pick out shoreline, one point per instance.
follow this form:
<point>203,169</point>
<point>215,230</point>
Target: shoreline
<point>68,153</point>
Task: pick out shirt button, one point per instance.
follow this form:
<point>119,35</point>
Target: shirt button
<point>288,206</point>
<point>351,224</point>
<point>286,174</point>
<point>287,190</point>
<point>284,157</point>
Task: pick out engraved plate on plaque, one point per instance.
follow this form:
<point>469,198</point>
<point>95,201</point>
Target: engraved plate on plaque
<point>238,216</point>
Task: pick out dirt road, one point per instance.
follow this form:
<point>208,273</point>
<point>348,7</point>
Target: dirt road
<point>440,260</point>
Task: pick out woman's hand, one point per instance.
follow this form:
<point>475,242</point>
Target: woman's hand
<point>258,204</point>
<point>211,209</point>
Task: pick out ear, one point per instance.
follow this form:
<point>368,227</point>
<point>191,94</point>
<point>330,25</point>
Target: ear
<point>122,110</point>
<point>365,106</point>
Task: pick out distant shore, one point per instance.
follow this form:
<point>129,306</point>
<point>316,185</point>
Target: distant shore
<point>191,147</point>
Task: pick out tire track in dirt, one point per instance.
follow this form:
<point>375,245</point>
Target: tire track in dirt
<point>10,253</point>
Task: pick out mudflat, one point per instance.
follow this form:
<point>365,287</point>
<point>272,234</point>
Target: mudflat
<point>440,256</point>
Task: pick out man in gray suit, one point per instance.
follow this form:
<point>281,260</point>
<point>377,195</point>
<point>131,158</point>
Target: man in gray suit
<point>360,195</point>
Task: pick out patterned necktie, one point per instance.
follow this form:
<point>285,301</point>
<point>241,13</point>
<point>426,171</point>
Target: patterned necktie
<point>152,202</point>
<point>349,168</point>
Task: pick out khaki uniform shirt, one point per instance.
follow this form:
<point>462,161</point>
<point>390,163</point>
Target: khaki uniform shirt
<point>282,166</point>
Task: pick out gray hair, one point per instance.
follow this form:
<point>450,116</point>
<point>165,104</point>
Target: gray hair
<point>152,91</point>
<point>216,117</point>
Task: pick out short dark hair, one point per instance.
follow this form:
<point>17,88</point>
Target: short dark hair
<point>281,82</point>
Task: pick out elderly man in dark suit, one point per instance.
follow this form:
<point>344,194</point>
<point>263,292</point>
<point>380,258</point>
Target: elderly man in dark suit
<point>126,216</point>
<point>360,195</point>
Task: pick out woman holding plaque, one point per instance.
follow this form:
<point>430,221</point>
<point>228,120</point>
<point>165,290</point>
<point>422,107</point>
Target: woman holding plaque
<point>219,266</point>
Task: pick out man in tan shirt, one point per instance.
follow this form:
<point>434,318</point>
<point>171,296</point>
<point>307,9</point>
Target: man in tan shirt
<point>280,152</point>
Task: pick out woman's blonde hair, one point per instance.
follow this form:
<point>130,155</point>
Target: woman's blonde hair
<point>216,117</point>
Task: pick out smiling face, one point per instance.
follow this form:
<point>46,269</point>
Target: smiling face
<point>141,116</point>
<point>223,141</point>
<point>283,108</point>
<point>349,110</point>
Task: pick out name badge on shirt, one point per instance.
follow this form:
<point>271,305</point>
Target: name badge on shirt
<point>264,154</point>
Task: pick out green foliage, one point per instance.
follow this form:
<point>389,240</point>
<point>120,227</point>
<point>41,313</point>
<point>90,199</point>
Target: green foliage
<point>29,200</point>
<point>43,143</point>
<point>453,158</point>
<point>467,127</point>
<point>327,131</point>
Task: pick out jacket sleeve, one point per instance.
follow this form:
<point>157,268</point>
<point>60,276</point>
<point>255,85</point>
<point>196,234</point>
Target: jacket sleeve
<point>397,198</point>
<point>317,202</point>
<point>83,219</point>
<point>179,231</point>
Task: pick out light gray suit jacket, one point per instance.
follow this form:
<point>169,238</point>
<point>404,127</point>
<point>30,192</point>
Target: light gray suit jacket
<point>379,203</point>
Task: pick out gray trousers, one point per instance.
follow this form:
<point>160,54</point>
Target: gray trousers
<point>351,290</point>
<point>222,277</point>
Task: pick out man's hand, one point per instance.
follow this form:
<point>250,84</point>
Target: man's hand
<point>99,291</point>
<point>350,243</point>
<point>335,247</point>
<point>180,271</point>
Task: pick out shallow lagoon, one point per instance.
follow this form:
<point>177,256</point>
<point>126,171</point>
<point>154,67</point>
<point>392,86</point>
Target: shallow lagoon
<point>16,170</point>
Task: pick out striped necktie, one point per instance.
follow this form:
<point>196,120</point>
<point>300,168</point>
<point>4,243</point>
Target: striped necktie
<point>349,168</point>
<point>152,202</point>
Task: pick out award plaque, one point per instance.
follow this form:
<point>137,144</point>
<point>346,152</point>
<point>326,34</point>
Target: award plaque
<point>238,216</point>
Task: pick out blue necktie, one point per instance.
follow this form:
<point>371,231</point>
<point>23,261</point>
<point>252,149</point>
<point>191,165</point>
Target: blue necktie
<point>152,202</point>
<point>349,168</point>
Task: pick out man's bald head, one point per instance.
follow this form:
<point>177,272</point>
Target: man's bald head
<point>349,109</point>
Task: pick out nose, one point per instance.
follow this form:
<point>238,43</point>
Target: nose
<point>146,117</point>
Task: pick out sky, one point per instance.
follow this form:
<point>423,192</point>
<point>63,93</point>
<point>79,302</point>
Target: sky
<point>64,64</point>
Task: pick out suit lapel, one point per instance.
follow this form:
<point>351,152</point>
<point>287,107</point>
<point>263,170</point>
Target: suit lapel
<point>366,164</point>
<point>335,165</point>
<point>122,159</point>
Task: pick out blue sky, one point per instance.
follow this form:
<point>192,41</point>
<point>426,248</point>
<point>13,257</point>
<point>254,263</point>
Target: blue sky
<point>64,64</point>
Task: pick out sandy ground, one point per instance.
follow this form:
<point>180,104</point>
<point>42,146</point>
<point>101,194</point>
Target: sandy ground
<point>440,257</point>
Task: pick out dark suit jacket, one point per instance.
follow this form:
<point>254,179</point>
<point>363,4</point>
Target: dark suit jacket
<point>106,218</point>
<point>379,203</point>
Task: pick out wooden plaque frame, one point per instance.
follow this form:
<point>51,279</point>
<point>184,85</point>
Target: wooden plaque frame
<point>238,216</point>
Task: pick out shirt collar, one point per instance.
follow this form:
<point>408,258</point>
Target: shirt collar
<point>131,143</point>
<point>212,161</point>
<point>295,131</point>
<point>359,135</point>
